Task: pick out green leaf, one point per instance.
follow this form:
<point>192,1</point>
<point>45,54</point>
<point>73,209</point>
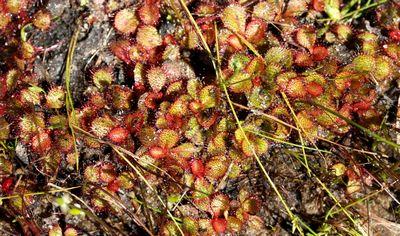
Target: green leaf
<point>36,89</point>
<point>84,3</point>
<point>76,211</point>
<point>173,198</point>
<point>332,11</point>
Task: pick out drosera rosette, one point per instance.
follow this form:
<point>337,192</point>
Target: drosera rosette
<point>296,88</point>
<point>294,9</point>
<point>190,225</point>
<point>318,5</point>
<point>207,13</point>
<point>166,140</point>
<point>393,51</point>
<point>315,84</point>
<point>7,185</point>
<point>234,19</point>
<point>395,35</point>
<point>280,111</point>
<point>384,69</point>
<point>27,53</point>
<point>150,100</point>
<point>63,141</point>
<point>178,70</point>
<point>234,225</point>
<point>328,67</point>
<point>7,168</point>
<point>169,228</point>
<point>92,174</point>
<point>178,110</point>
<point>107,172</point>
<point>229,42</point>
<point>218,143</point>
<point>220,204</point>
<point>315,89</point>
<point>134,121</point>
<point>219,225</point>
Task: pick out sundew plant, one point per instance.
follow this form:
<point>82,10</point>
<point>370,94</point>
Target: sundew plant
<point>199,117</point>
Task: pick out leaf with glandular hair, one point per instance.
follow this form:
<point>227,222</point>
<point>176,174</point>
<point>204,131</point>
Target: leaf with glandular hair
<point>168,138</point>
<point>234,18</point>
<point>208,96</point>
<point>156,78</point>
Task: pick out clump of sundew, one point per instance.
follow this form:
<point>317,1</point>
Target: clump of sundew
<point>154,131</point>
